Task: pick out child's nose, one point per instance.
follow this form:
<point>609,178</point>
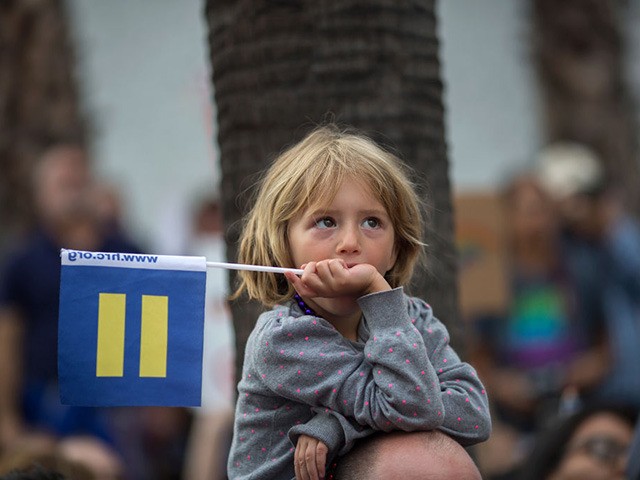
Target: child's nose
<point>349,240</point>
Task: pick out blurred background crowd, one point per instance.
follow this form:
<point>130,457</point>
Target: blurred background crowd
<point>117,152</point>
<point>562,331</point>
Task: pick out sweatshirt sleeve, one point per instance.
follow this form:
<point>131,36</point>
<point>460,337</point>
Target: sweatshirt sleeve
<point>465,406</point>
<point>335,431</point>
<point>391,384</point>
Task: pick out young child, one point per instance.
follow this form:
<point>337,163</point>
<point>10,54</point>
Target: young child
<point>343,352</point>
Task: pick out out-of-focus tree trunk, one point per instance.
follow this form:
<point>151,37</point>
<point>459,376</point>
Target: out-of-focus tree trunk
<point>280,66</point>
<point>579,54</point>
<point>38,99</point>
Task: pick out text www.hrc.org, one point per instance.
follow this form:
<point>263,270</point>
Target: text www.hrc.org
<point>74,255</point>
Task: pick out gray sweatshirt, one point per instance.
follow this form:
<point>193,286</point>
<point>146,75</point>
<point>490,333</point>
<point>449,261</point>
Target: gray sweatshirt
<point>301,376</point>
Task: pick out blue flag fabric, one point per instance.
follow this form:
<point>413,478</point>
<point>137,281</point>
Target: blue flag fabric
<point>130,329</point>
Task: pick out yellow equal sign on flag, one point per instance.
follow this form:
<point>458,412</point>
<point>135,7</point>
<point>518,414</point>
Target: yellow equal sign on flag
<point>154,333</point>
<point>154,336</point>
<point>111,323</point>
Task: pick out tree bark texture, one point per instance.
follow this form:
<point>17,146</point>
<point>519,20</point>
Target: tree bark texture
<point>282,67</point>
<point>579,52</point>
<point>39,100</point>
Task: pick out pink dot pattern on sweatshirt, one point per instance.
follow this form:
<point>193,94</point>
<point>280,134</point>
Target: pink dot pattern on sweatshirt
<point>395,394</point>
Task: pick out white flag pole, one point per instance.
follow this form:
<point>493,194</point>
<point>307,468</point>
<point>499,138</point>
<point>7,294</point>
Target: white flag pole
<point>253,268</point>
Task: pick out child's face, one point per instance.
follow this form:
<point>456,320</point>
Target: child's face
<point>354,227</point>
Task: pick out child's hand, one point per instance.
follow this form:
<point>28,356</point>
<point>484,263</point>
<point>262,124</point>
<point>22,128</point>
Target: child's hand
<point>310,458</point>
<point>333,278</point>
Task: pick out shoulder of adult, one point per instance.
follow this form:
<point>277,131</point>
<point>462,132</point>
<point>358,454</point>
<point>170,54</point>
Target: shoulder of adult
<point>26,254</point>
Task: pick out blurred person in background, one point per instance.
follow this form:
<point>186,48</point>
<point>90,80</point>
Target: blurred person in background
<point>30,409</point>
<point>107,198</point>
<point>540,351</point>
<point>591,444</point>
<point>210,436</point>
<point>633,467</point>
<point>43,465</point>
<point>602,246</point>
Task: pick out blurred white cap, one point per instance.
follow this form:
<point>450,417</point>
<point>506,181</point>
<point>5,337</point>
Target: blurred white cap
<point>566,169</point>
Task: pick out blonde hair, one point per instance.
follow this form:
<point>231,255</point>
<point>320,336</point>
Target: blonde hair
<point>308,174</point>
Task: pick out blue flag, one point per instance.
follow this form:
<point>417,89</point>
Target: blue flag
<point>130,329</point>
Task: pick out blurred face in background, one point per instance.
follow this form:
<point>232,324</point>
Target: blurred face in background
<point>578,212</point>
<point>598,450</point>
<point>591,215</point>
<point>61,182</point>
<point>531,213</point>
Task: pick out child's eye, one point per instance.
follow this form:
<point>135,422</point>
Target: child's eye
<point>371,222</point>
<point>326,222</point>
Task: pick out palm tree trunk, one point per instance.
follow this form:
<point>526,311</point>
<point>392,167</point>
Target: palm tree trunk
<point>279,67</point>
<point>39,100</point>
<point>578,49</point>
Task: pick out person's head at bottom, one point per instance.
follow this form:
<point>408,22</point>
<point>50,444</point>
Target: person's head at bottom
<point>407,456</point>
